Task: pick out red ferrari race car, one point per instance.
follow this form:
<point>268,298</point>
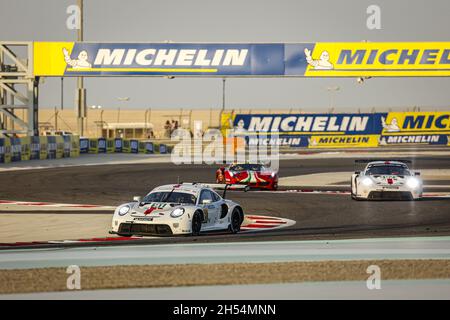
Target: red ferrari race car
<point>252,175</point>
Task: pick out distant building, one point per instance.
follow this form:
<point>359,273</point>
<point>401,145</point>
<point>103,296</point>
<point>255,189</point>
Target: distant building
<point>133,130</point>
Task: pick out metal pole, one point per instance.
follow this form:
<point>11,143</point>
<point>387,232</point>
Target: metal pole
<point>145,117</point>
<point>223,94</point>
<point>62,93</point>
<point>210,118</point>
<point>56,119</point>
<point>35,106</point>
<point>80,86</point>
<point>223,103</point>
<point>101,122</point>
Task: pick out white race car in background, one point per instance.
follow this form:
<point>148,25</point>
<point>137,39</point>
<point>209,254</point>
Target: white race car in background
<point>186,208</point>
<point>390,179</point>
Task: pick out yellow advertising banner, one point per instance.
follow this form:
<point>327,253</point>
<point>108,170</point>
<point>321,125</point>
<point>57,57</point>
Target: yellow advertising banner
<point>5,150</point>
<point>25,143</point>
<point>378,59</point>
<point>399,123</point>
<point>49,57</point>
<point>74,146</point>
<point>59,147</point>
<point>313,59</point>
<point>43,141</point>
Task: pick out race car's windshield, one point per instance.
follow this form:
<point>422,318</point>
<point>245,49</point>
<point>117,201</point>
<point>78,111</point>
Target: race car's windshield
<point>247,167</point>
<point>389,170</point>
<point>172,197</point>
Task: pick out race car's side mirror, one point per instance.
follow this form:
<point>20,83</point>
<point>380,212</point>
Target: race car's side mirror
<point>137,198</point>
<point>417,173</point>
<point>357,172</point>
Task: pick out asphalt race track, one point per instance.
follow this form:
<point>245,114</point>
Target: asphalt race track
<point>318,216</point>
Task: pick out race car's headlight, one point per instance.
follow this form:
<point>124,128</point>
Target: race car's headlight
<point>412,183</point>
<point>231,173</point>
<point>178,212</point>
<point>124,210</point>
<point>366,181</point>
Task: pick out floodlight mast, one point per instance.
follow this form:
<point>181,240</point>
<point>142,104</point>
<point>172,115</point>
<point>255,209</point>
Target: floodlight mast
<point>81,91</point>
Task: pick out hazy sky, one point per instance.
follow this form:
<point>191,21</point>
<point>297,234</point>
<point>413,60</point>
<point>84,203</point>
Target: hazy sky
<point>237,21</point>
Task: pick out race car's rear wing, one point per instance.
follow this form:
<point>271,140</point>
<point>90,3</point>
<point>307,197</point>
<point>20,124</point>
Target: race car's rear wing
<point>387,160</point>
<point>225,187</point>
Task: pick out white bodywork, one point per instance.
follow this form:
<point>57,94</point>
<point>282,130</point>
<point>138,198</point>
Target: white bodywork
<point>167,218</point>
<point>386,180</point>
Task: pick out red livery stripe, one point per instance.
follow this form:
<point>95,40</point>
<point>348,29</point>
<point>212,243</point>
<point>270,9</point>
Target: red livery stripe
<point>258,226</point>
<point>269,222</point>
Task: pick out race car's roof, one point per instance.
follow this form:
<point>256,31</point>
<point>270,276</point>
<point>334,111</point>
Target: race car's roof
<point>192,188</point>
<point>404,161</point>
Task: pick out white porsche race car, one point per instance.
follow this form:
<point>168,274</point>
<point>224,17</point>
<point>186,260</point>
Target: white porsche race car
<point>186,208</point>
<point>382,180</point>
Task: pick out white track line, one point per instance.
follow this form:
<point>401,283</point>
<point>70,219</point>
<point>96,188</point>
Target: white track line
<point>54,205</point>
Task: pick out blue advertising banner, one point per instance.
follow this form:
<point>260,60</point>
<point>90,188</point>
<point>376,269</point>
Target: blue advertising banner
<point>51,145</point>
<point>414,139</point>
<point>301,124</point>
<point>340,130</point>
<point>101,145</point>
<point>84,145</point>
<point>162,148</point>
<point>35,148</point>
<point>134,145</point>
<point>4,149</point>
<point>16,149</point>
<point>149,147</point>
<point>118,145</point>
<point>67,146</point>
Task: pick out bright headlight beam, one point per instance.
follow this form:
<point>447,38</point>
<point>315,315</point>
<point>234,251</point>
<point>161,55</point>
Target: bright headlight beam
<point>412,183</point>
<point>178,212</point>
<point>367,181</point>
<point>124,210</point>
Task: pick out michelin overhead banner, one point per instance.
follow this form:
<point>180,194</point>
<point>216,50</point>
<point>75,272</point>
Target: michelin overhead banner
<point>322,59</point>
<point>340,130</point>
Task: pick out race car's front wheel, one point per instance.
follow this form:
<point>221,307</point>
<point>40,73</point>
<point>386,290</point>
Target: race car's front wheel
<point>236,221</point>
<point>196,223</point>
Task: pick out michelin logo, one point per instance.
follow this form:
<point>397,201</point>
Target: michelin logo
<point>80,63</point>
<point>415,139</point>
<point>390,127</point>
<point>307,123</point>
<point>159,57</point>
<point>323,63</point>
<point>278,141</point>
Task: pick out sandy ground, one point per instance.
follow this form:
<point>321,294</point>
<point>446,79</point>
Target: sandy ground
<point>53,226</point>
<point>147,276</point>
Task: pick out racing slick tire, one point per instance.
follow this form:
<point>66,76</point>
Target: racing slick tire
<point>236,221</point>
<point>196,223</point>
